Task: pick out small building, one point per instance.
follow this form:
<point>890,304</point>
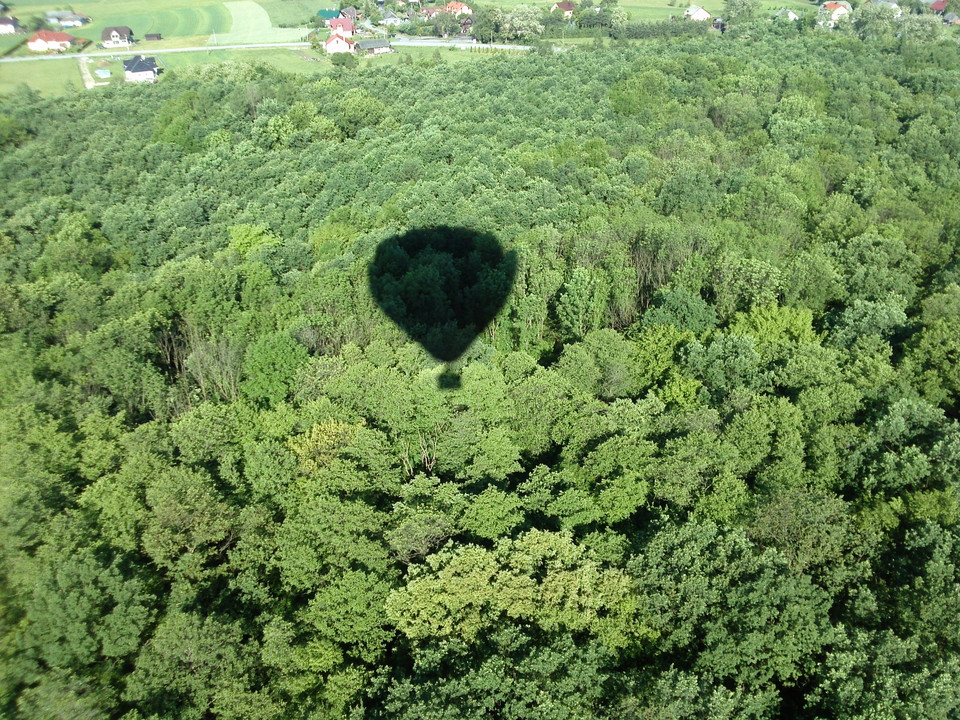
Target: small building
<point>74,20</point>
<point>153,37</point>
<point>457,9</point>
<point>831,12</point>
<point>338,44</point>
<point>391,18</point>
<point>786,14</point>
<point>9,26</point>
<point>48,40</point>
<point>374,47</point>
<point>120,36</point>
<point>342,27</point>
<point>141,69</point>
<point>566,8</point>
<point>695,12</point>
<point>350,13</point>
<point>939,6</point>
<point>951,19</point>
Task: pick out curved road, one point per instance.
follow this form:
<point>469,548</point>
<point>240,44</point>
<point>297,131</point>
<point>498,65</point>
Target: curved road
<point>398,41</point>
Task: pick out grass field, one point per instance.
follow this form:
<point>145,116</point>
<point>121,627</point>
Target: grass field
<point>50,78</point>
<point>8,42</point>
<point>251,24</point>
<point>293,12</point>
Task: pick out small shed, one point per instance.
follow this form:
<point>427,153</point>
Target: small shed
<point>153,36</point>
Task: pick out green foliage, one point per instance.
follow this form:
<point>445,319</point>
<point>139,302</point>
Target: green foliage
<point>701,462</point>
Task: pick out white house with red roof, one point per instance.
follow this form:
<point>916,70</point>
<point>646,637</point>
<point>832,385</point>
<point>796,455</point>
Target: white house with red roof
<point>457,9</point>
<point>338,44</point>
<point>832,11</point>
<point>47,40</point>
<point>343,27</point>
<point>566,8</point>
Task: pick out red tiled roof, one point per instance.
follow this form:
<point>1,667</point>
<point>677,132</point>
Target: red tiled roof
<point>344,23</point>
<point>939,6</point>
<point>566,6</point>
<point>51,36</point>
<point>338,37</point>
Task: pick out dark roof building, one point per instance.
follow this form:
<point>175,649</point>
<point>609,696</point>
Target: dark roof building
<point>140,64</point>
<point>117,34</point>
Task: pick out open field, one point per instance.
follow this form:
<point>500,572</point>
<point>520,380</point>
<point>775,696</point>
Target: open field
<point>293,12</point>
<point>50,78</point>
<point>250,23</point>
<point>8,42</point>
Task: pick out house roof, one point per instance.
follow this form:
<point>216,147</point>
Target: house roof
<point>694,9</point>
<point>951,16</point>
<point>455,6</point>
<point>328,14</point>
<point>371,44</point>
<point>343,23</point>
<point>939,6</point>
<point>330,39</point>
<point>122,31</point>
<point>349,12</point>
<point>140,64</point>
<point>390,15</point>
<point>565,6</point>
<point>52,36</point>
<point>8,21</point>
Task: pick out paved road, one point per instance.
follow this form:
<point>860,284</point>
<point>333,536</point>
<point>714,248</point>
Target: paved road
<point>398,41</point>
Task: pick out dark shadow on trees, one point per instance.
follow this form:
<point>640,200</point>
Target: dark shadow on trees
<point>442,286</point>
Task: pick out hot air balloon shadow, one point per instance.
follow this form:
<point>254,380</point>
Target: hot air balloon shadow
<point>442,286</point>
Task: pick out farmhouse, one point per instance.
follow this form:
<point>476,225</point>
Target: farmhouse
<point>351,13</point>
<point>342,27</point>
<point>833,11</point>
<point>66,18</point>
<point>120,36</point>
<point>566,8</point>
<point>9,26</point>
<point>338,44</point>
<point>391,18</point>
<point>457,9</point>
<point>695,12</point>
<point>47,40</point>
<point>140,69</point>
<point>374,47</point>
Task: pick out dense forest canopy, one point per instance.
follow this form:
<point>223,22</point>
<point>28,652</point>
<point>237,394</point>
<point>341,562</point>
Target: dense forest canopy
<point>702,463</point>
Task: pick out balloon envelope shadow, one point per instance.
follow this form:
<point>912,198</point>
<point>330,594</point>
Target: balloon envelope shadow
<point>442,286</point>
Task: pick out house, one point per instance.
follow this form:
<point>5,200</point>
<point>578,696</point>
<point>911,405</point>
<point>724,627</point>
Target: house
<point>9,26</point>
<point>374,47</point>
<point>112,37</point>
<point>350,13</point>
<point>951,19</point>
<point>788,14</point>
<point>566,8</point>
<point>833,11</point>
<point>939,6</point>
<point>695,12</point>
<point>47,40</point>
<point>74,20</point>
<point>338,44</point>
<point>140,69</point>
<point>342,27</point>
<point>429,12</point>
<point>326,15</point>
<point>390,18</point>
<point>457,9</point>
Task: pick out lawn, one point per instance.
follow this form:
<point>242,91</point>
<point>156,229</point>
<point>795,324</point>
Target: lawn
<point>8,42</point>
<point>293,13</point>
<point>288,60</point>
<point>51,78</point>
<point>251,24</point>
